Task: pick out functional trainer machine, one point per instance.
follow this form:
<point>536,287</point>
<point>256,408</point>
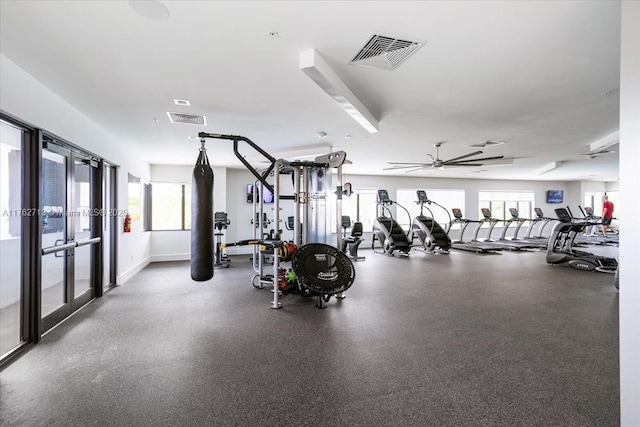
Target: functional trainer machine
<point>431,235</point>
<point>318,268</point>
<point>387,230</point>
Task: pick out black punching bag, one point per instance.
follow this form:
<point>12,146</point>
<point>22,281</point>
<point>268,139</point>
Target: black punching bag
<point>202,219</point>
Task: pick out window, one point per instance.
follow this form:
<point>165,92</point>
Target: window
<point>499,203</point>
<point>170,206</point>
<point>448,199</point>
<point>595,201</point>
<point>361,206</point>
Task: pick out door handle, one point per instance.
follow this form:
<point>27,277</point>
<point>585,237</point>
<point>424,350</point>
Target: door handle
<point>58,254</point>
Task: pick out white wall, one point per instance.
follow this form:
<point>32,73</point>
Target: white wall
<point>175,245</point>
<point>613,186</point>
<point>629,248</point>
<point>30,101</point>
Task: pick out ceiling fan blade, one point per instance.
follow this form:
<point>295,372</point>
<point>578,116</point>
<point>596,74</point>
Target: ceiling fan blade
<point>408,163</point>
<point>418,168</point>
<point>419,165</point>
<point>477,160</point>
<point>462,164</point>
<point>462,157</point>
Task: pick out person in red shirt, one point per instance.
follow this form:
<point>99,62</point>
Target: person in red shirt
<point>607,215</point>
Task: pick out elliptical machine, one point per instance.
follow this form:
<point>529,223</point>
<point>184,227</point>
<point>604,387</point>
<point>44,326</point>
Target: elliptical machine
<point>220,222</point>
<point>387,230</point>
<point>430,234</point>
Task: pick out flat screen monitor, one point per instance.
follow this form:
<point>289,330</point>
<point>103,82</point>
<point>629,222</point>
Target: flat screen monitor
<point>267,196</point>
<point>555,196</point>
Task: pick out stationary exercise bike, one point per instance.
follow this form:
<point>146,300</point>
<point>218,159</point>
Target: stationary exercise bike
<point>351,242</point>
<point>220,222</point>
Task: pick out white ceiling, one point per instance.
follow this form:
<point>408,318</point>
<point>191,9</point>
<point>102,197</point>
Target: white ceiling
<point>531,73</point>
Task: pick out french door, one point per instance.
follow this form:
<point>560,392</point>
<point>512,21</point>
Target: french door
<point>70,233</point>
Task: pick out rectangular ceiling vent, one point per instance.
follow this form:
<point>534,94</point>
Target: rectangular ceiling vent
<point>187,119</point>
<point>487,143</point>
<point>385,52</point>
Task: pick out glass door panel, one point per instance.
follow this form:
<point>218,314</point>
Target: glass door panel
<point>53,278</point>
<point>54,231</point>
<point>81,210</point>
<point>11,171</point>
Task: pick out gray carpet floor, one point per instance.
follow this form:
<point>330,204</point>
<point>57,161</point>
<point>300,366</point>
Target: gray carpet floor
<point>429,340</point>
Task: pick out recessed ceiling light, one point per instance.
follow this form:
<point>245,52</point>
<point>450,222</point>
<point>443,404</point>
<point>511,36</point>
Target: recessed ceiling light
<point>151,9</point>
<point>192,137</point>
<point>182,102</point>
<point>347,137</point>
<point>155,120</point>
<point>273,34</point>
<point>321,134</point>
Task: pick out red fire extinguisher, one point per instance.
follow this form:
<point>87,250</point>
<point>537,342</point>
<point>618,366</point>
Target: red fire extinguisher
<point>127,224</point>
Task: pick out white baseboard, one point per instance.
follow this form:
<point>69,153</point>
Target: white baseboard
<point>124,277</point>
<point>170,257</point>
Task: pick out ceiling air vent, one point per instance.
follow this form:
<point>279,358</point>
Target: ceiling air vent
<point>385,52</point>
<point>487,143</point>
<point>187,119</point>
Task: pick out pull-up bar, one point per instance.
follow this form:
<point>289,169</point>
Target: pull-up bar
<point>235,138</point>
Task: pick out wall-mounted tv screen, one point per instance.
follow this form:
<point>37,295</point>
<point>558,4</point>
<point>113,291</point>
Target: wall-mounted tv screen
<point>555,196</point>
<point>267,196</point>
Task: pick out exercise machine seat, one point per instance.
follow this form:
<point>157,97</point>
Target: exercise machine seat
<point>350,243</point>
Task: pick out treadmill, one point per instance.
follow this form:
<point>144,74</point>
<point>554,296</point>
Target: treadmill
<point>561,242</point>
<point>590,237</point>
<point>478,247</point>
<point>486,213</point>
<point>537,238</point>
<point>514,242</point>
<point>533,241</point>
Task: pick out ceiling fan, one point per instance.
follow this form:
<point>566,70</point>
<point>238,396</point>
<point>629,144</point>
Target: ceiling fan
<point>437,163</point>
<point>593,154</point>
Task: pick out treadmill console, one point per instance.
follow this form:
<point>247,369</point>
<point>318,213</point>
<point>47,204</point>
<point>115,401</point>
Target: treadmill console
<point>422,196</point>
<point>588,210</point>
<point>220,217</point>
<point>383,197</point>
<point>486,213</point>
<point>514,213</point>
<point>457,213</point>
<point>539,213</point>
<point>563,215</point>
